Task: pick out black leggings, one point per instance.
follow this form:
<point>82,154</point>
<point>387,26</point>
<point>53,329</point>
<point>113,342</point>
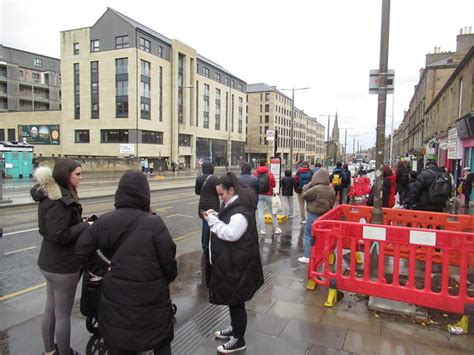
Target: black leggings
<point>238,320</point>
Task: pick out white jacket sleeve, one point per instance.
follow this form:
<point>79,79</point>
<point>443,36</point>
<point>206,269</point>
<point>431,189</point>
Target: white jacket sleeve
<point>230,232</point>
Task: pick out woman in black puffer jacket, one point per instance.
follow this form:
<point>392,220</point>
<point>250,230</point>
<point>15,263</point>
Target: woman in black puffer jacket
<point>135,310</point>
<point>235,266</point>
<point>60,225</point>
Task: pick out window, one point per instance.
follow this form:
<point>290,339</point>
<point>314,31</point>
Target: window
<point>2,134</point>
<point>121,66</point>
<point>205,72</point>
<point>76,48</point>
<point>161,95</point>
<point>114,136</point>
<point>145,68</point>
<point>152,137</point>
<point>121,42</point>
<point>267,96</point>
<point>35,76</point>
<point>145,110</point>
<point>145,45</point>
<point>218,77</point>
<point>21,73</point>
<point>144,89</point>
<point>122,87</point>
<point>77,101</point>
<point>121,109</point>
<point>38,62</point>
<point>81,136</point>
<point>95,45</point>
<point>240,87</point>
<point>267,108</point>
<point>160,51</point>
<point>184,140</point>
<point>94,88</point>
<point>11,134</point>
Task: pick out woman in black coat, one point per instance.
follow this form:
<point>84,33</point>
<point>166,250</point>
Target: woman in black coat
<point>135,310</point>
<point>235,266</point>
<point>60,224</point>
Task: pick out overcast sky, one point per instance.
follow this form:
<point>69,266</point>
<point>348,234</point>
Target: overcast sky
<point>329,46</point>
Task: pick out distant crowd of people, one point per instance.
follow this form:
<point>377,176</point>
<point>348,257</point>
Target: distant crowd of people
<point>139,256</point>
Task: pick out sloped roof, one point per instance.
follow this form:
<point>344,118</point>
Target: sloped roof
<point>141,27</point>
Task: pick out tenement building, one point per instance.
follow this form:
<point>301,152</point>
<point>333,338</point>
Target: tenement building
<point>128,91</point>
<point>270,112</point>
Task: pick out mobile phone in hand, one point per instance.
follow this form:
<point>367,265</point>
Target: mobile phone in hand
<point>92,218</point>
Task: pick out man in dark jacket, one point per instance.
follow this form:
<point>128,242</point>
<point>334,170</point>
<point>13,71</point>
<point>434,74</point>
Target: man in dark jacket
<point>468,179</point>
<point>206,189</point>
<point>340,178</point>
<point>247,179</point>
<point>418,197</point>
<point>135,310</point>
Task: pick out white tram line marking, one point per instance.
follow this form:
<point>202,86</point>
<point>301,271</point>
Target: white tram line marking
<point>19,232</point>
<point>19,250</point>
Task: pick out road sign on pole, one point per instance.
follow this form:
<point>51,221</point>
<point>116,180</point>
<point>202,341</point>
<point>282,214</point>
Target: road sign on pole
<point>374,81</point>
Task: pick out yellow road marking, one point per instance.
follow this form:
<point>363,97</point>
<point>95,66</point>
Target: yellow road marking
<point>21,292</point>
<point>187,235</point>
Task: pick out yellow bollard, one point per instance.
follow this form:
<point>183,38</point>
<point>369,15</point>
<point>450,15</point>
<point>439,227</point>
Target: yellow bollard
<point>310,285</point>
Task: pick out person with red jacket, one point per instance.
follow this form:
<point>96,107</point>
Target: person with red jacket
<point>266,184</point>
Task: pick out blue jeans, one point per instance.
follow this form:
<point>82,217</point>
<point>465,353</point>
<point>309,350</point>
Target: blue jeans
<point>205,234</point>
<point>265,200</point>
<point>310,218</point>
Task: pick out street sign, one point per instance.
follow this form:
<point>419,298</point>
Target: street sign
<point>374,81</point>
<point>127,148</point>
<point>270,135</point>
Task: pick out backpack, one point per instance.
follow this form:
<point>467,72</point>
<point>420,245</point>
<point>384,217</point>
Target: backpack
<point>303,179</point>
<point>439,189</point>
<point>336,179</point>
<point>263,183</point>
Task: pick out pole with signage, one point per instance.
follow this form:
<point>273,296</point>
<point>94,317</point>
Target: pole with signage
<point>377,214</point>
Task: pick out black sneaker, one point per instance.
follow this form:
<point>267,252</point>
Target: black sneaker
<point>224,333</point>
<point>233,345</point>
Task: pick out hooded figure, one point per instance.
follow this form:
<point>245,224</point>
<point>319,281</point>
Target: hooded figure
<point>135,311</point>
<point>205,187</point>
<point>320,198</point>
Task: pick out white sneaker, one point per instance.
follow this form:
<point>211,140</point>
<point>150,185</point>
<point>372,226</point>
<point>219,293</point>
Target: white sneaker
<point>277,230</point>
<point>263,231</point>
<point>303,260</point>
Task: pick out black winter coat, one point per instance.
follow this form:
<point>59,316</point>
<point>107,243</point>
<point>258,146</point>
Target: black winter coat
<point>208,195</point>
<point>135,308</point>
<point>287,184</point>
<point>417,196</point>
<point>236,269</point>
<point>60,225</point>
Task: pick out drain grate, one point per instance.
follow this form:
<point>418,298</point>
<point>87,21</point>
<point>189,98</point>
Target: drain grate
<point>195,331</point>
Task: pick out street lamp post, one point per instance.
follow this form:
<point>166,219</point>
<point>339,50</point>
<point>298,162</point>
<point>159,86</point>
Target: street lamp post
<point>377,214</point>
<point>293,120</point>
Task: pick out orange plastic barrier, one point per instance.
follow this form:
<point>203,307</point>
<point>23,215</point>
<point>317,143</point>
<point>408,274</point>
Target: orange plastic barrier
<point>404,238</point>
<point>360,187</point>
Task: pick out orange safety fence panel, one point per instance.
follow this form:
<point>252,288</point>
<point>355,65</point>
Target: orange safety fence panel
<point>359,187</point>
<point>406,256</point>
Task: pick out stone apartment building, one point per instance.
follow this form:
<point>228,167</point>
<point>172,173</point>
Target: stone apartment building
<point>442,102</point>
<point>270,109</point>
<point>128,91</point>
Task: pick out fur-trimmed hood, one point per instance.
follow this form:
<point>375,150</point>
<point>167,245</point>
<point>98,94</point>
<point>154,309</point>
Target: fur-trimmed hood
<point>46,187</point>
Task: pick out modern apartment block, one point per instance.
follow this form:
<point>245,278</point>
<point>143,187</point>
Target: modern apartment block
<point>270,109</point>
<point>28,81</point>
<point>129,91</point>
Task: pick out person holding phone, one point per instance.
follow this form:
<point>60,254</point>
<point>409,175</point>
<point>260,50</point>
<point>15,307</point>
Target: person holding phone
<point>234,257</point>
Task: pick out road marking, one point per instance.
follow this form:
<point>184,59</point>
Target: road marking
<point>192,203</point>
<point>187,235</point>
<point>22,292</point>
<point>182,215</point>
<point>17,251</point>
<point>33,288</point>
<point>18,232</point>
